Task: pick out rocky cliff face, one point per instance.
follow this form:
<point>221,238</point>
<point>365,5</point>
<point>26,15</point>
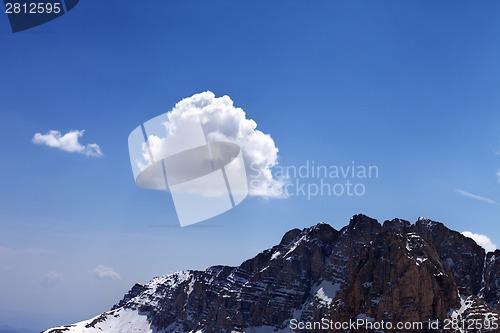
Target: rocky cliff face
<point>395,272</point>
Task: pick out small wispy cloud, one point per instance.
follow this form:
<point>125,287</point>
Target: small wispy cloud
<point>481,240</point>
<point>50,279</point>
<point>497,173</point>
<point>102,272</point>
<point>68,142</point>
<point>475,196</point>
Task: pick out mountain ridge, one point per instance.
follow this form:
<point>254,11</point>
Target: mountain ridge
<point>395,271</point>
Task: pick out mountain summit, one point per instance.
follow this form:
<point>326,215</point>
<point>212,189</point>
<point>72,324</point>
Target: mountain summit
<point>391,272</point>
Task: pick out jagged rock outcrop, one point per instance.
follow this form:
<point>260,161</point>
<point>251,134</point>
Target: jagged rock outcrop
<point>491,276</point>
<point>395,272</point>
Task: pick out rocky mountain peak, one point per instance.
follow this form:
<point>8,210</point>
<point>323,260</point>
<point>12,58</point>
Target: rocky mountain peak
<point>289,236</point>
<point>323,232</point>
<point>399,225</point>
<point>361,221</point>
<point>361,229</point>
<point>397,271</point>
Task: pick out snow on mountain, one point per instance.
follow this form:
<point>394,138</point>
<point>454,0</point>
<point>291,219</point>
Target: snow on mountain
<point>395,271</point>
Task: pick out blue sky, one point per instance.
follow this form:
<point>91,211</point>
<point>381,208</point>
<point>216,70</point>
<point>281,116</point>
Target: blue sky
<point>411,87</point>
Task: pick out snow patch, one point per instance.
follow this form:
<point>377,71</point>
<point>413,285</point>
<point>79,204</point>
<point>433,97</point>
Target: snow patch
<point>420,260</point>
<point>326,291</point>
<point>117,321</point>
<point>275,255</point>
<point>296,244</point>
<point>465,303</point>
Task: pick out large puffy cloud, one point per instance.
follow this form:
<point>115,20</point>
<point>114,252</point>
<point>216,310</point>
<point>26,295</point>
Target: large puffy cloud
<point>68,142</point>
<point>205,118</point>
<point>481,240</point>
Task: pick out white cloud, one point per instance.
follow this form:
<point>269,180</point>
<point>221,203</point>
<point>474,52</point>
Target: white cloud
<point>481,240</point>
<point>475,197</point>
<point>498,175</point>
<point>50,279</point>
<point>105,273</point>
<point>221,121</point>
<point>68,142</point>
